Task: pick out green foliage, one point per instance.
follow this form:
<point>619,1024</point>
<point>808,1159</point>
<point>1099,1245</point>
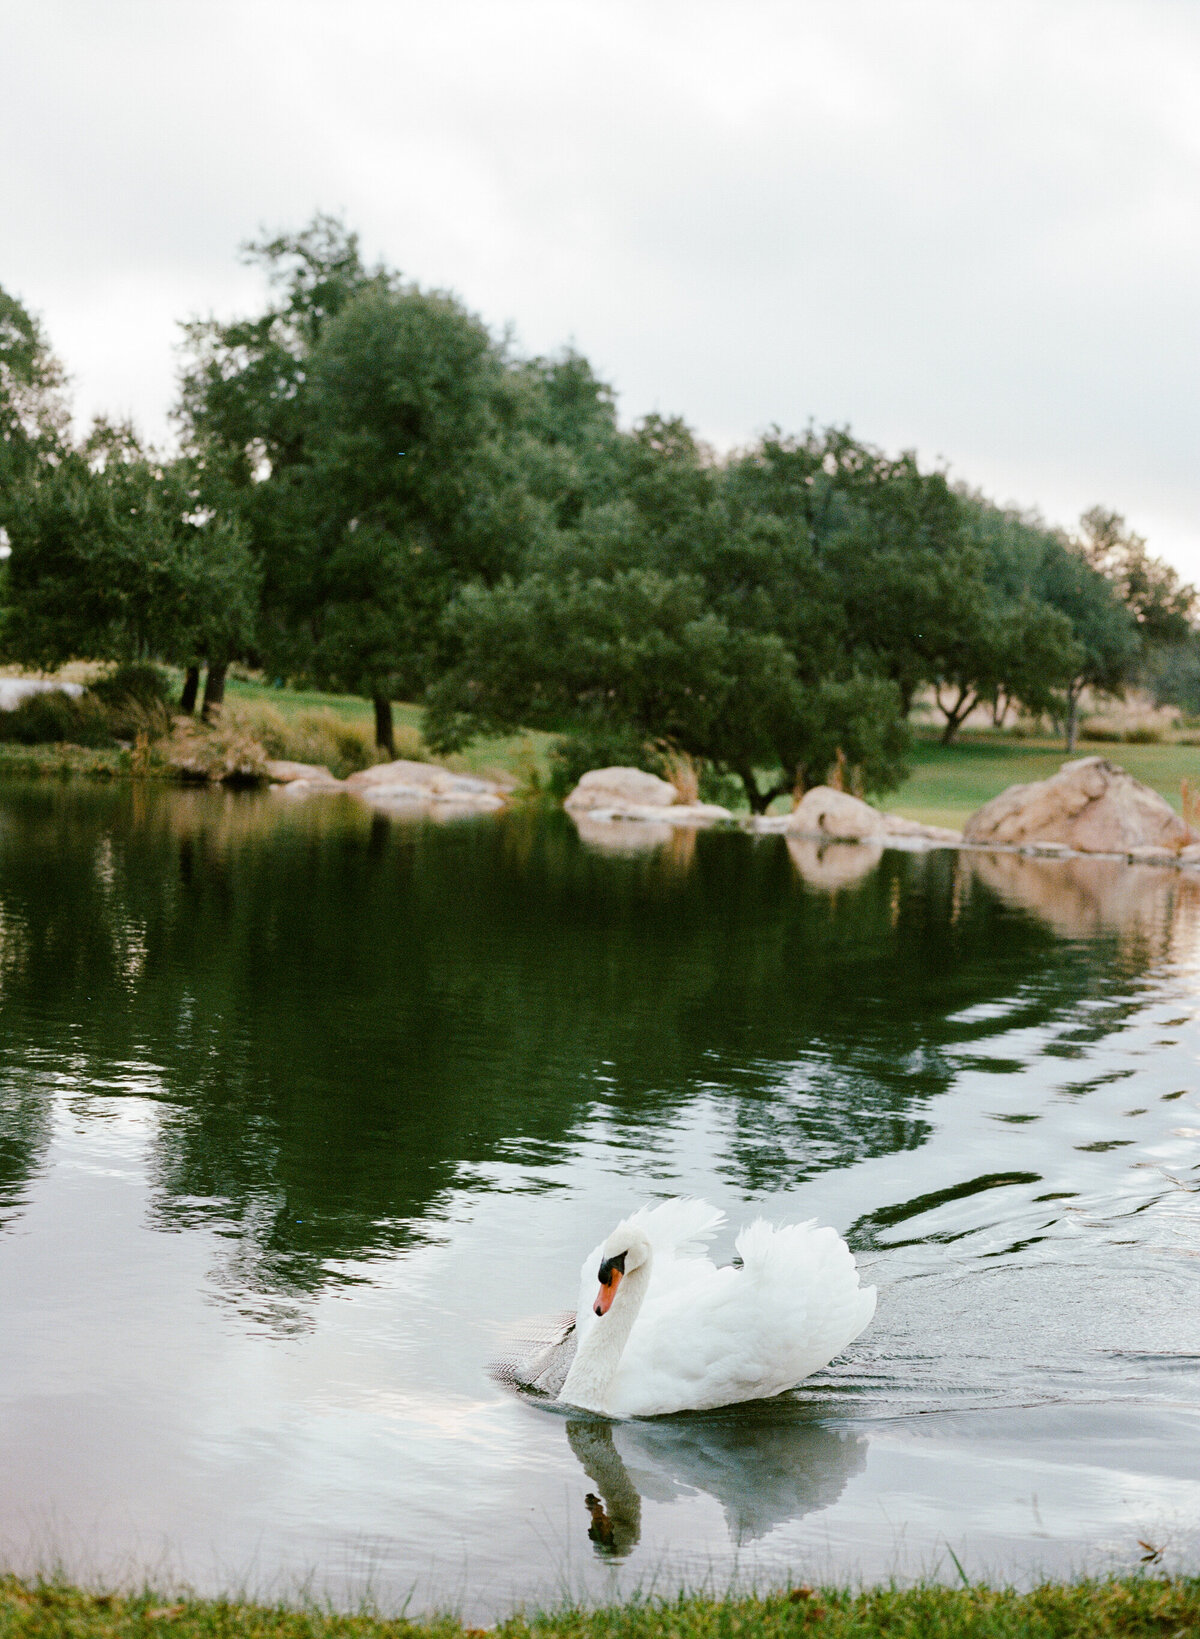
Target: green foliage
<point>404,495</point>
<point>320,736</point>
<point>378,496</point>
<point>618,747</point>
<point>1161,605</point>
<point>1172,673</point>
<point>109,560</point>
<point>132,700</point>
<point>33,411</point>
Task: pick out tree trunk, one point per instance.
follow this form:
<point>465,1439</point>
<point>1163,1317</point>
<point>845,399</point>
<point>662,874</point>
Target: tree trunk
<point>957,714</point>
<point>1072,719</point>
<point>214,691</point>
<point>385,734</point>
<point>191,687</point>
<point>757,799</point>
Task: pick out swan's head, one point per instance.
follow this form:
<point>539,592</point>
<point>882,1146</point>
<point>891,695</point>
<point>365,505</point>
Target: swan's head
<point>625,1250</point>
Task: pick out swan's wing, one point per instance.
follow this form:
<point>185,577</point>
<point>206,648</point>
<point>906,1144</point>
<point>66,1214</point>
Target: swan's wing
<point>682,1226</point>
<point>537,1354</point>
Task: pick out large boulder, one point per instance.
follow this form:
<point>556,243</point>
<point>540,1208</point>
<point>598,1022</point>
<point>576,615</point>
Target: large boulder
<point>619,788</point>
<point>1090,806</point>
<point>406,784</point>
<point>280,771</point>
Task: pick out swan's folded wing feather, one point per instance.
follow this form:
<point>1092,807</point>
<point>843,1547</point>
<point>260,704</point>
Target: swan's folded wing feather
<point>537,1353</point>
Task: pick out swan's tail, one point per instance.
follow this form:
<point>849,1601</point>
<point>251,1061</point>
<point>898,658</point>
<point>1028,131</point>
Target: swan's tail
<point>682,1226</point>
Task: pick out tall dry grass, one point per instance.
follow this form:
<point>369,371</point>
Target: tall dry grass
<point>318,736</point>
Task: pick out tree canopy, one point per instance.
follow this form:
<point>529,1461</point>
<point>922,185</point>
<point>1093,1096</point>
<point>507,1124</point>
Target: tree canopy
<point>377,494</point>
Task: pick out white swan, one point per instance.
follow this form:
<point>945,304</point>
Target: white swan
<point>669,1331</point>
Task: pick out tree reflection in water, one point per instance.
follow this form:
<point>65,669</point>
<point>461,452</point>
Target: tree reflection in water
<point>341,1018</point>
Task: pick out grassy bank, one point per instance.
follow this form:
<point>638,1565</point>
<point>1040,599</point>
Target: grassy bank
<point>519,756</point>
<point>1128,1607</point>
<point>65,762</point>
<point>946,785</point>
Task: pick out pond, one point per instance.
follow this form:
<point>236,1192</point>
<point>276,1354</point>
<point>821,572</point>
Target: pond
<point>301,1109</point>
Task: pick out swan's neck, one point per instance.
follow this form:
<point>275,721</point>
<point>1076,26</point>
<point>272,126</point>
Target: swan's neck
<point>595,1364</point>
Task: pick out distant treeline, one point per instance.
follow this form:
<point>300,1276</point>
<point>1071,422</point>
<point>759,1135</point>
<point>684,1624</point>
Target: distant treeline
<point>374,494</point>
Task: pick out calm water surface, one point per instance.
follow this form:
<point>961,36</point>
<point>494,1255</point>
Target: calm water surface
<point>300,1109</point>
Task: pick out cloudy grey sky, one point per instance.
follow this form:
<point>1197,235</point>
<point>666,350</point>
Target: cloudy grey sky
<point>969,227</point>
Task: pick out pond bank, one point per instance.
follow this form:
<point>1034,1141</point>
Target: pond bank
<point>1129,1606</point>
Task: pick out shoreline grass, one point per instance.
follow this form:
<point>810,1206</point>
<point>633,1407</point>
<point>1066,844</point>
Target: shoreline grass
<point>1126,1607</point>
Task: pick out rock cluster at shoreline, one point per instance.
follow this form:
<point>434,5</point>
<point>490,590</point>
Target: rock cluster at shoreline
<point>615,796</point>
<point>1090,807</point>
<point>403,786</point>
<point>825,814</point>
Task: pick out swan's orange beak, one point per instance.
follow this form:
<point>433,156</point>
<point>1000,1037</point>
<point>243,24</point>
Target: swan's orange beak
<point>607,1293</point>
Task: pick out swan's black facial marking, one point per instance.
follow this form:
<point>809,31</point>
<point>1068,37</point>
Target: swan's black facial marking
<point>609,1264</point>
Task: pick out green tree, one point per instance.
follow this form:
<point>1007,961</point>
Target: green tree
<point>34,417</point>
<point>410,489</point>
<point>1107,648</point>
<point>109,560</point>
<point>244,412</point>
<point>1020,649</point>
<point>1160,603</point>
<point>641,654</point>
<point>381,451</point>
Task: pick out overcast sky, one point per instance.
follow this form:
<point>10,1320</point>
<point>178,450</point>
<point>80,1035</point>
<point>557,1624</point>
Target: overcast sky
<point>964,227</point>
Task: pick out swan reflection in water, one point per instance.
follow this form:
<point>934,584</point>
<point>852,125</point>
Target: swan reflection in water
<point>764,1469</point>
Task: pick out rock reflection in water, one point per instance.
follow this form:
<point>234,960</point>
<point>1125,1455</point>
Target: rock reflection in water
<point>632,837</point>
<point>763,1467</point>
<point>832,865</point>
<point>1084,898</point>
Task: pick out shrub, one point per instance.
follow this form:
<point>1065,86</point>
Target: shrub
<point>135,681</point>
<point>136,700</point>
<point>54,718</point>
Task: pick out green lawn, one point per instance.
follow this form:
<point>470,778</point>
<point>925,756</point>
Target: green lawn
<point>1131,1607</point>
<point>519,755</point>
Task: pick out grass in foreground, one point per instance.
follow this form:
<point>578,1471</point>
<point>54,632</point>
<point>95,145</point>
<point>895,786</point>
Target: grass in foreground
<point>1129,1607</point>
